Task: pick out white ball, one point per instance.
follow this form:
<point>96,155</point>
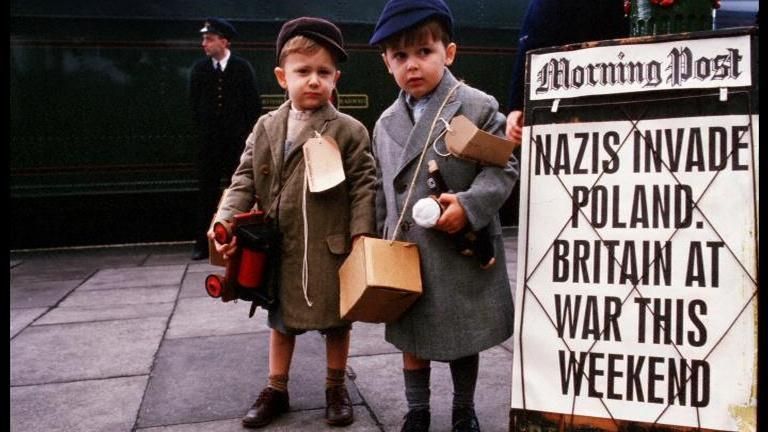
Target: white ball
<point>426,212</point>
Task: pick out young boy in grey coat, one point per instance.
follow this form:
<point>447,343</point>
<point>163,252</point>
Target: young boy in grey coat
<point>463,309</point>
<point>317,228</point>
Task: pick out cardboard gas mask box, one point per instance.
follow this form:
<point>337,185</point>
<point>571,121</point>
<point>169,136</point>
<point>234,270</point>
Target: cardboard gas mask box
<point>379,280</point>
<point>465,140</point>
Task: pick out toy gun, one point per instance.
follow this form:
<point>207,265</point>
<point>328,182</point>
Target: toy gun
<point>427,211</point>
<point>253,267</point>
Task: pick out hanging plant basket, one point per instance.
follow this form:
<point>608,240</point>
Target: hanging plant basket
<point>655,17</point>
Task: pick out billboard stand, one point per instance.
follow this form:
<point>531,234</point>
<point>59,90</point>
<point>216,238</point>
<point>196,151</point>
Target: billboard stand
<point>638,243</point>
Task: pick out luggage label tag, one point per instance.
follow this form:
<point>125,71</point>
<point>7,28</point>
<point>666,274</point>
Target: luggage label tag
<point>322,159</point>
<point>466,141</point>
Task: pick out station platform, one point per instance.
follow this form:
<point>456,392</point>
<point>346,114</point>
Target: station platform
<point>125,338</point>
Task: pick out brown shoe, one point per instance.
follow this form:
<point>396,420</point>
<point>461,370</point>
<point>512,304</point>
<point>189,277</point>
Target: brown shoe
<point>270,404</point>
<point>338,406</point>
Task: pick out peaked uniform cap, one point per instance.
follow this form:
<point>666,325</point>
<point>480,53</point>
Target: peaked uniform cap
<point>319,30</point>
<point>220,27</point>
<point>399,15</point>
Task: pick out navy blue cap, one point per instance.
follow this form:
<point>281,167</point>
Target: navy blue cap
<point>220,27</point>
<point>398,15</point>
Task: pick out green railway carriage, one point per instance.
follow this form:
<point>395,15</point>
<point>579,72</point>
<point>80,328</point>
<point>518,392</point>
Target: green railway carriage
<point>102,143</point>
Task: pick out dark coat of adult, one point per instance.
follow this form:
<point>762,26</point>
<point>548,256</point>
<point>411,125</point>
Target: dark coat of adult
<point>550,23</point>
<point>238,107</point>
<point>225,106</point>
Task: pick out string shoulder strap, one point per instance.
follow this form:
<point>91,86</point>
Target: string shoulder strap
<point>421,160</point>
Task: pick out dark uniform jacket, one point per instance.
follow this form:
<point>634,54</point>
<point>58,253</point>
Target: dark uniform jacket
<point>230,102</point>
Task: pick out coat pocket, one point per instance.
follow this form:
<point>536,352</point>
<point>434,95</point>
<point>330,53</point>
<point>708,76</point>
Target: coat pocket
<point>339,244</point>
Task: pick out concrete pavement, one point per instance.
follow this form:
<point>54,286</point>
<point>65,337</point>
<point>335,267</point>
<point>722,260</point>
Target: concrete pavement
<point>126,339</point>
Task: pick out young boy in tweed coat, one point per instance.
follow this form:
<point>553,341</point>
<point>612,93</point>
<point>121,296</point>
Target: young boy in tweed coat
<point>463,309</point>
<point>317,228</point>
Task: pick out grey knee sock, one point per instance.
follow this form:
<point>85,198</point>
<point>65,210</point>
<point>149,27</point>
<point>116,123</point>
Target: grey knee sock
<point>464,375</point>
<point>417,388</point>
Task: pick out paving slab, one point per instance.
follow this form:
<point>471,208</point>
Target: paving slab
<point>23,275</point>
<point>84,406</point>
<point>40,293</point>
<point>204,266</point>
<point>309,420</point>
<point>170,254</point>
<point>61,315</point>
<point>21,318</point>
<point>509,345</point>
<point>94,257</point>
<point>193,284</point>
<point>493,395</point>
<point>69,352</point>
<point>120,296</point>
<point>152,276</point>
<point>217,378</point>
<point>368,339</point>
<point>206,316</point>
<point>380,382</point>
<point>135,342</point>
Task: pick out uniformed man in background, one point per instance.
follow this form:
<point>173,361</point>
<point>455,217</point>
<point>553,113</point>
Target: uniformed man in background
<point>225,105</point>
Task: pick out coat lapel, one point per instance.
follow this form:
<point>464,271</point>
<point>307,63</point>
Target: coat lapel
<point>316,123</point>
<point>419,133</point>
<point>276,128</point>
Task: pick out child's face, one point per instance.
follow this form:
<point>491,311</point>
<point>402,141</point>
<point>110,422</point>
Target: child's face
<point>309,78</point>
<point>419,68</point>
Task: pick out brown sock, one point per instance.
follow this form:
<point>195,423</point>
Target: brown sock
<point>335,377</point>
<point>279,382</point>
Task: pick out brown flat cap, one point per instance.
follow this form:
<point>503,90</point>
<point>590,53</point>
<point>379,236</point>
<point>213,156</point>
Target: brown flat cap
<point>319,30</point>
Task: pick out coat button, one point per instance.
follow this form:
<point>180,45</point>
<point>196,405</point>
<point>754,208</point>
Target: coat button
<point>405,226</point>
<point>264,169</point>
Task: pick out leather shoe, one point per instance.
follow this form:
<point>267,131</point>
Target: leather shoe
<point>338,406</point>
<point>416,421</point>
<point>269,405</point>
<point>464,420</point>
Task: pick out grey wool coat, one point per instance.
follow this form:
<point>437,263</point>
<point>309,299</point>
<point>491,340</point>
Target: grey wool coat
<point>333,216</point>
<point>463,309</point>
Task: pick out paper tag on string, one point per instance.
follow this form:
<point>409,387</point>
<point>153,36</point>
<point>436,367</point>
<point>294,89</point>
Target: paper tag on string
<point>323,163</point>
<point>467,141</point>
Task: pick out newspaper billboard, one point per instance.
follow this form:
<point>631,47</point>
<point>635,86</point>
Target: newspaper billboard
<point>637,263</point>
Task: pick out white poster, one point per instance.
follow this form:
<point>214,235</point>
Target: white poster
<point>637,271</point>
<point>628,68</point>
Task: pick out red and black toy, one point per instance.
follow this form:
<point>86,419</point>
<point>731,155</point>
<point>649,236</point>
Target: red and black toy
<point>251,270</point>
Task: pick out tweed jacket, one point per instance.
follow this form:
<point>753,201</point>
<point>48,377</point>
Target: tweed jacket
<point>333,216</point>
<point>463,309</point>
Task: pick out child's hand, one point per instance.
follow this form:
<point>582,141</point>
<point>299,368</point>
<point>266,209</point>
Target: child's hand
<point>226,250</point>
<point>454,217</point>
<point>515,126</point>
